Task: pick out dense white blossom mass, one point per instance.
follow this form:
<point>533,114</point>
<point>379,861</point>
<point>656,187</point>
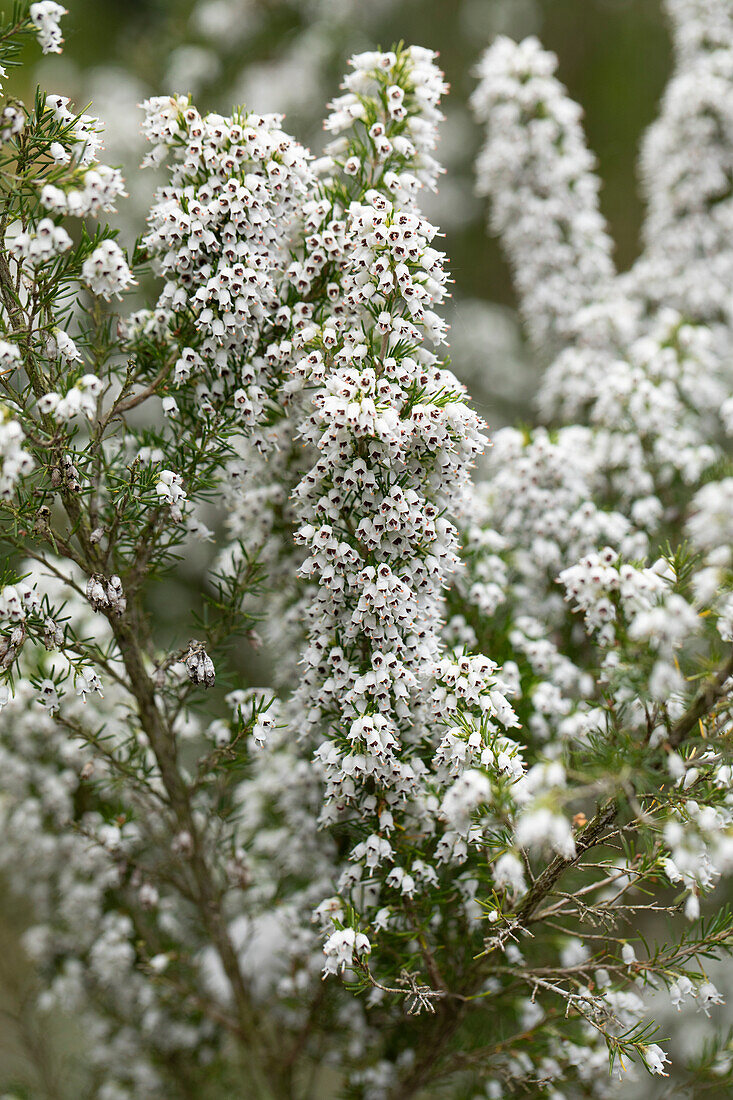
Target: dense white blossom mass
<point>496,743</point>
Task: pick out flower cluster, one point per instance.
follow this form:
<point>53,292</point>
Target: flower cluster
<point>45,17</point>
<point>87,188</point>
<point>220,234</point>
<point>15,461</point>
<point>81,398</point>
<point>342,946</point>
<point>44,243</point>
<point>106,272</point>
<point>394,438</point>
<point>169,488</point>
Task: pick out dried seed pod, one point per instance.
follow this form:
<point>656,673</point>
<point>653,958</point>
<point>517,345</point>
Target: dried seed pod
<point>199,666</point>
<point>115,596</point>
<point>10,646</point>
<point>106,595</point>
<point>97,592</point>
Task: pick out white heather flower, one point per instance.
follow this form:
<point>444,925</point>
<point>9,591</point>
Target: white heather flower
<point>101,186</point>
<point>199,530</point>
<point>188,361</point>
<point>628,954</point>
<point>374,850</point>
<point>708,996</point>
<point>91,384</point>
<point>692,907</point>
<point>106,271</point>
<point>45,17</point>
<point>265,722</point>
<point>681,989</point>
<point>655,1059</point>
<point>59,344</point>
<point>59,152</point>
<point>48,696</point>
<point>15,463</point>
<point>654,390</point>
<point>539,828</point>
<point>574,953</point>
<point>665,680</point>
<point>341,947</point>
<point>86,682</point>
<point>711,515</point>
<point>170,491</point>
<point>381,920</point>
<point>699,25</point>
<point>666,626</point>
<point>12,121</point>
<point>220,733</point>
<point>508,872</point>
<point>463,797</point>
<point>44,242</point>
<point>401,727</point>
